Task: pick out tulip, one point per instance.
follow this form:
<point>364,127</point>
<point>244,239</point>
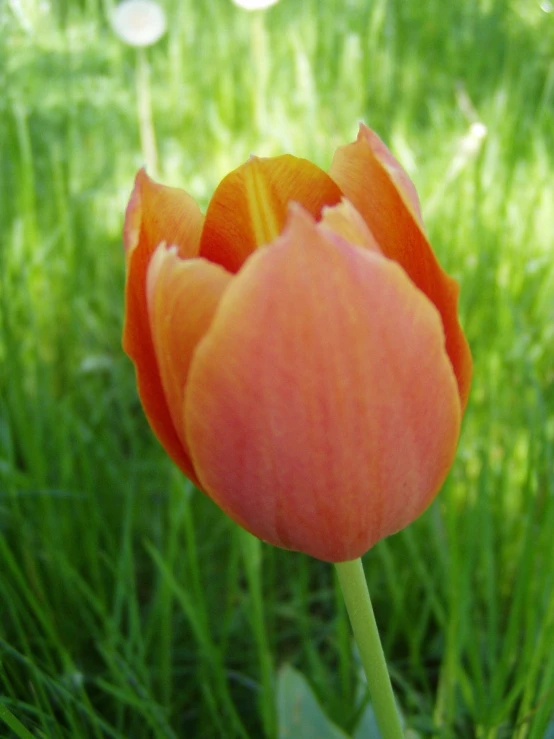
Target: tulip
<point>297,348</point>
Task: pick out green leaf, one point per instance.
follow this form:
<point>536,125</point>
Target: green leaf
<point>299,713</point>
<point>15,725</point>
<point>367,727</point>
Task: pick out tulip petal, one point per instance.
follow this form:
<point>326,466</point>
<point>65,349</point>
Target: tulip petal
<point>249,207</point>
<point>158,213</point>
<point>396,172</point>
<point>321,411</point>
<point>381,191</point>
<point>182,298</point>
<point>344,220</point>
<point>154,214</point>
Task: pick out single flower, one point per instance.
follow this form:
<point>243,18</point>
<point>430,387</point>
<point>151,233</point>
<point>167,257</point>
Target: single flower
<point>139,22</point>
<point>297,348</point>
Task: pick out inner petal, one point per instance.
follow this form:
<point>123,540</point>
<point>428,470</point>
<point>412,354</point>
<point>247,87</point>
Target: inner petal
<point>344,220</point>
<point>249,207</point>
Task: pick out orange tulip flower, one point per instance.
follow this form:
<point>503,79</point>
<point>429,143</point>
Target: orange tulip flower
<point>297,348</point>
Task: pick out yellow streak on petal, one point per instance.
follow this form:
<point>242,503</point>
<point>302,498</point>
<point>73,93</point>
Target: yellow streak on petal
<point>264,219</point>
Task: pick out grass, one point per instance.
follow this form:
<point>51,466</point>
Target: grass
<point>129,605</point>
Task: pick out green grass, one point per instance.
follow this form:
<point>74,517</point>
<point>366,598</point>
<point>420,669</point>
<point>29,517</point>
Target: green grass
<point>129,605</point>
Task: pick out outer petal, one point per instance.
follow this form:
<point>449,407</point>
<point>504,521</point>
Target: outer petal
<point>396,172</point>
<point>322,412</point>
<point>380,190</point>
<point>182,298</point>
<point>154,214</point>
<point>158,213</point>
<point>254,198</point>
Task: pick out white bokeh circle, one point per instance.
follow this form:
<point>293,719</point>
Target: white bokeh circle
<point>139,22</point>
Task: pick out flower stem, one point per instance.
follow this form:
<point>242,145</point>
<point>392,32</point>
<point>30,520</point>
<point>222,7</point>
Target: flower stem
<point>260,62</point>
<point>358,604</point>
<point>145,118</point>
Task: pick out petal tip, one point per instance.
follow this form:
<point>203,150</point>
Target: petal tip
<point>298,220</point>
<point>134,211</point>
<point>133,216</point>
<point>344,221</point>
<point>363,130</point>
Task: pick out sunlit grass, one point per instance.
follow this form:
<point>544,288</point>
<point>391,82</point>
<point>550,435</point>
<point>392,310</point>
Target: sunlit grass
<point>129,606</point>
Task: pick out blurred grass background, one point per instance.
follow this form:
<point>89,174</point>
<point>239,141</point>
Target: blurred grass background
<point>129,605</point>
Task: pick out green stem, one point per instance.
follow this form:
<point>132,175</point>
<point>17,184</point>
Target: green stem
<point>251,549</point>
<point>358,604</point>
<point>145,117</point>
<point>260,64</point>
